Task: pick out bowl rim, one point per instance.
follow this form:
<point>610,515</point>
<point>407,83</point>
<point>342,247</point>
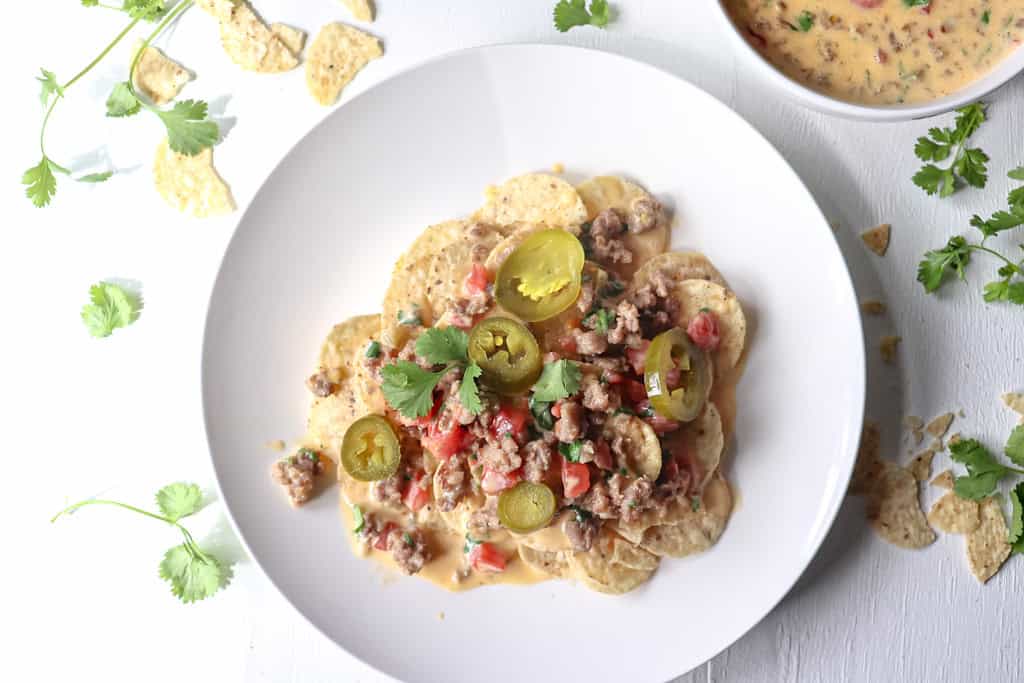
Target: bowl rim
<point>1004,72</point>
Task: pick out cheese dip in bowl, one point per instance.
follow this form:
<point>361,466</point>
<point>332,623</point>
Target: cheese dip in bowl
<point>882,59</point>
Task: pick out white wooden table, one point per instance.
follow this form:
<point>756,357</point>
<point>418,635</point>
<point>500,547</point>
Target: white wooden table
<point>121,416</point>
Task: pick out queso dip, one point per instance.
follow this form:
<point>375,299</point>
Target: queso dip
<point>882,51</point>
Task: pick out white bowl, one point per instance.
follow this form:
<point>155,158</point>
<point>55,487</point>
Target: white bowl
<point>1004,72</point>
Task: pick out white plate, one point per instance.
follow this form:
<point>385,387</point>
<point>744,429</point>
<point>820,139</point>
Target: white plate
<point>317,246</point>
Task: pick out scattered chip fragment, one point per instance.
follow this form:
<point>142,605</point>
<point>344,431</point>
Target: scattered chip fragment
<point>921,465</point>
<point>954,515</point>
<point>987,546</point>
<point>887,347</point>
<point>190,183</point>
<point>872,307</point>
<point>953,439</point>
<point>158,77</point>
<point>944,480</point>
<point>293,38</point>
<point>940,425</point>
<point>337,54</point>
<point>1015,402</point>
<point>362,10</point>
<point>868,464</point>
<point>877,238</point>
<point>894,511</point>
<point>247,40</point>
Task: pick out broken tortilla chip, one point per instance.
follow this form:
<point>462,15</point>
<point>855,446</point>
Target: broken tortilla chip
<point>954,515</point>
<point>944,480</point>
<point>887,347</point>
<point>987,546</point>
<point>940,425</point>
<point>921,465</point>
<point>337,54</point>
<point>293,38</point>
<point>894,511</point>
<point>1015,402</point>
<point>877,238</point>
<point>190,183</point>
<point>158,77</point>
<point>251,44</point>
<point>872,307</point>
<point>362,10</point>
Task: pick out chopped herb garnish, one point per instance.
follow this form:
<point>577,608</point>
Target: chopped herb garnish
<point>308,454</point>
<point>917,3</point>
<point>623,471</point>
<point>582,515</point>
<point>571,451</point>
<point>695,504</point>
<point>612,289</point>
<point>624,410</point>
<point>986,17</point>
<point>408,539</point>
<point>411,317</point>
<point>359,521</point>
<point>600,320</point>
<point>559,379</point>
<point>541,411</point>
<point>470,544</point>
<point>804,21</point>
<point>373,349</point>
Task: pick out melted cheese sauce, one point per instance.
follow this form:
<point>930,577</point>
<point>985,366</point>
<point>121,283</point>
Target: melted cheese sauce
<point>881,51</point>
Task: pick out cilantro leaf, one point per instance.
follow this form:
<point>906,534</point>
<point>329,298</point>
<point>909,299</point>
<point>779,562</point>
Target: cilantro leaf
<point>601,320</point>
<point>147,10</point>
<point>571,451</point>
<point>1016,535</point>
<point>954,257</point>
<point>1001,220</point>
<point>408,388</point>
<point>933,179</point>
<point>541,411</point>
<point>188,130</point>
<point>121,102</point>
<point>571,13</point>
<point>95,177</point>
<point>1015,293</point>
<point>969,118</point>
<point>1017,173</point>
<point>983,470</point>
<point>997,291</point>
<point>443,345</point>
<point>179,500</point>
<point>193,574</point>
<point>112,307</point>
<point>558,380</point>
<point>358,519</point>
<point>48,86</point>
<point>928,150</point>
<point>469,393</point>
<point>971,167</point>
<point>968,165</point>
<point>1015,446</point>
<point>41,182</point>
<point>372,349</point>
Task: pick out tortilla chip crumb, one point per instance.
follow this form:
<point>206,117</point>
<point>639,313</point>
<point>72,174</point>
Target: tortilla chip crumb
<point>190,183</point>
<point>362,10</point>
<point>440,615</point>
<point>987,546</point>
<point>558,167</point>
<point>276,445</point>
<point>872,307</point>
<point>868,464</point>
<point>921,465</point>
<point>954,515</point>
<point>944,480</point>
<point>940,425</point>
<point>249,42</point>
<point>293,38</point>
<point>159,77</point>
<point>894,511</point>
<point>887,347</point>
<point>1015,402</point>
<point>877,238</point>
<point>834,225</point>
<point>337,54</point>
<point>954,439</point>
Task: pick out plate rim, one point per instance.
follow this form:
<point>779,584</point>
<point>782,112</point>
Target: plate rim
<point>849,293</point>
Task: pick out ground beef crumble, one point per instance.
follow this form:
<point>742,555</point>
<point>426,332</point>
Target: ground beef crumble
<point>297,473</point>
<point>450,483</point>
<point>581,530</point>
<point>408,547</point>
<point>569,425</point>
<point>536,456</point>
<point>597,396</point>
<point>605,238</point>
<point>500,455</point>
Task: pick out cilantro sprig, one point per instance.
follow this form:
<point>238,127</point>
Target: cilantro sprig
<point>189,129</point>
<point>409,389</point>
<point>572,13</point>
<point>193,573</point>
<point>559,379</point>
<point>939,264</point>
<point>110,307</point>
<point>984,472</point>
<point>968,164</point>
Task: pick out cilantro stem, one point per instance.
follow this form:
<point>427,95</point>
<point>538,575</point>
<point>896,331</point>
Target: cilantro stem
<point>99,501</point>
<point>978,247</point>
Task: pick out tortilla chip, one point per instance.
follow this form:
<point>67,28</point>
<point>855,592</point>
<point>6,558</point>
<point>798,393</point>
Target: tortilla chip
<point>293,38</point>
<point>921,465</point>
<point>641,451</point>
<point>547,562</point>
<point>362,10</point>
<point>613,565</point>
<point>987,546</point>
<point>337,54</point>
<point>702,439</point>
<point>695,295</point>
<point>1014,401</point>
<point>872,307</point>
<point>251,44</point>
<point>190,183</point>
<point>913,422</point>
<point>533,198</point>
<point>877,238</point>
<point>944,480</point>
<point>677,266</point>
<point>610,192</point>
<point>940,425</point>
<point>330,416</point>
<point>954,515</point>
<point>503,249</point>
<point>893,509</point>
<point>686,530</point>
<point>887,347</point>
<point>868,464</point>
<point>343,353</point>
<point>158,77</point>
<point>219,9</point>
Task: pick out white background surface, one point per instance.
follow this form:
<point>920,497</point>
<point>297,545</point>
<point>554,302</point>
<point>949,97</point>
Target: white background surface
<point>121,416</point>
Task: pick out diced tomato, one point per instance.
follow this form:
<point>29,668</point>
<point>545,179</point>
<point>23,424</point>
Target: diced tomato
<point>443,443</point>
<point>495,482</point>
<point>484,557</point>
<point>575,478</point>
<point>634,391</point>
<point>636,357</point>
<point>673,377</point>
<point>703,330</point>
<point>868,4</point>
<point>477,280</point>
<point>556,410</point>
<point>567,343</point>
<point>417,493</point>
<point>661,425</point>
<point>382,541</point>
<point>511,419</point>
<point>613,377</point>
